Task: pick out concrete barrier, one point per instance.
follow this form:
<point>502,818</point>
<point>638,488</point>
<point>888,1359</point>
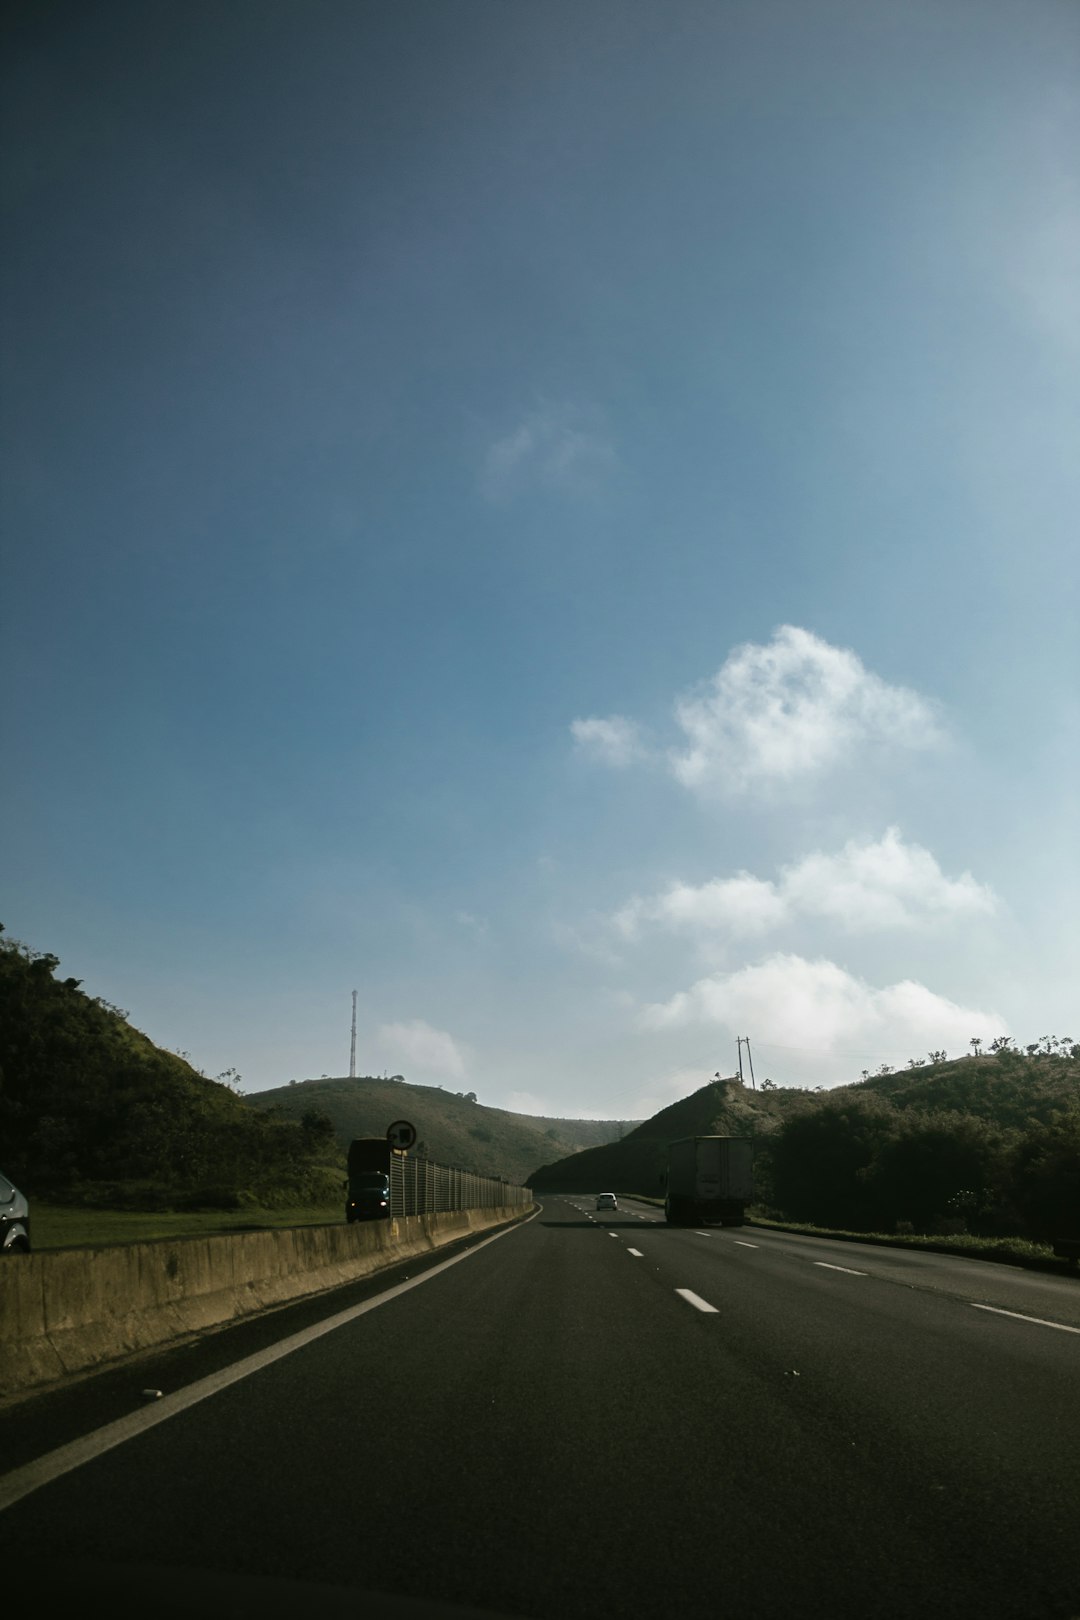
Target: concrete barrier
<point>69,1311</point>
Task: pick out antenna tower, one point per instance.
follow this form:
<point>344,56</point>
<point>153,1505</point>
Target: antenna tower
<point>352,1043</point>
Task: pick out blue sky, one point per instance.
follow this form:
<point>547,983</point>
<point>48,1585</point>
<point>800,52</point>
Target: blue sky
<point>562,518</point>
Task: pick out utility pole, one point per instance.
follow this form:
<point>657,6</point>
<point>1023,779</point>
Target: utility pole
<point>352,1043</point>
<point>745,1040</point>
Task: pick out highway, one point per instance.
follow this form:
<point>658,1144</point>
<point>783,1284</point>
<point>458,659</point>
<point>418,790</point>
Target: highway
<point>591,1414</point>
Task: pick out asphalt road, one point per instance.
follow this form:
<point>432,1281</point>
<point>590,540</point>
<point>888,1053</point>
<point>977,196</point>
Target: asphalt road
<point>594,1415</point>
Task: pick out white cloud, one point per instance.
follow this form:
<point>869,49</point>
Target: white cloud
<point>615,741</point>
<point>887,884</point>
<point>796,707</point>
<point>558,446</point>
<point>819,1007</point>
<point>418,1047</point>
<point>867,887</point>
<point>772,714</point>
<point>738,905</point>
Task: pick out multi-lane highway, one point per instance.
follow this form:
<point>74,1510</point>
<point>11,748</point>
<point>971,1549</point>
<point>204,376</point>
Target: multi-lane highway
<point>591,1415</point>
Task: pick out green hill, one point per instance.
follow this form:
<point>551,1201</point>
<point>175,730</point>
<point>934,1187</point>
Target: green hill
<point>988,1145</point>
<point>634,1164</point>
<point>452,1128</point>
<point>92,1111</point>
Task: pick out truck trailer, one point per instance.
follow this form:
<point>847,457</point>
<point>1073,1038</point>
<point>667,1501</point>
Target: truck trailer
<point>370,1158</point>
<point>709,1178</point>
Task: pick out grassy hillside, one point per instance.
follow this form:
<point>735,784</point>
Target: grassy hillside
<point>1011,1088</point>
<point>92,1111</point>
<point>988,1145</point>
<point>453,1129</point>
<point>721,1108</point>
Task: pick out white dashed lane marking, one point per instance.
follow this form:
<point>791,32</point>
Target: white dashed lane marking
<point>696,1301</point>
<point>636,1253</point>
<point>826,1266</point>
<point>1039,1321</point>
<point>744,1245</point>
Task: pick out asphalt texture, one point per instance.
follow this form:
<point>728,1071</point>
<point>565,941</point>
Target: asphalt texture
<point>558,1427</point>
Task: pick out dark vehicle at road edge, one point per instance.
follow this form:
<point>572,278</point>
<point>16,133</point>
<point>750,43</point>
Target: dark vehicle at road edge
<point>14,1219</point>
<point>370,1158</point>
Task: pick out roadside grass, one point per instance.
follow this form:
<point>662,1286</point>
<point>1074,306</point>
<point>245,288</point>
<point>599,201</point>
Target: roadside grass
<point>55,1226</point>
<point>1010,1251</point>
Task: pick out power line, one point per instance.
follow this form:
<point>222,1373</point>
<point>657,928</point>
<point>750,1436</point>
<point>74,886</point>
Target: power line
<point>822,1051</point>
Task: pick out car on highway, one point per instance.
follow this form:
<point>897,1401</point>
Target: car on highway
<point>606,1201</point>
<point>14,1219</point>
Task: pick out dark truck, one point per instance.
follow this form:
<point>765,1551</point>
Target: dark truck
<point>370,1158</point>
<point>709,1178</point>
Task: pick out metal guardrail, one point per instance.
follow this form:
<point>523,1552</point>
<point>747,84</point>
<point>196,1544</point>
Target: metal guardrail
<point>419,1186</point>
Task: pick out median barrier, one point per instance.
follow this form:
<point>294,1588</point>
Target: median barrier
<point>71,1311</point>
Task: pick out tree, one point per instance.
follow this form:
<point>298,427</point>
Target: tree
<point>976,1044</point>
<point>820,1158</point>
<point>937,1167</point>
<point>1046,1176</point>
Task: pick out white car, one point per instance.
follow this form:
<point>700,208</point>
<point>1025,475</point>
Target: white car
<point>606,1201</point>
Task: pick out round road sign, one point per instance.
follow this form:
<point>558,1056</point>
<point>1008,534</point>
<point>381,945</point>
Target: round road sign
<point>401,1135</point>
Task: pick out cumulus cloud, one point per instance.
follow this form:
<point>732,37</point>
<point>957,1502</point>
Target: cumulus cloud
<point>795,707</point>
<point>887,884</point>
<point>818,1006</point>
<point>563,447</point>
<point>739,905</point>
<point>773,714</point>
<point>867,886</point>
<point>615,741</point>
<point>417,1046</point>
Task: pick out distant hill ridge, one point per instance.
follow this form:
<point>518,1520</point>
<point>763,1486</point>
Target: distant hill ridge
<point>634,1164</point>
<point>453,1128</point>
<point>1008,1090</point>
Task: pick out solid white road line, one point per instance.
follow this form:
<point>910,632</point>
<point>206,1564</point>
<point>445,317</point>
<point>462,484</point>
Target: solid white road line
<point>744,1245</point>
<point>696,1301</point>
<point>636,1253</point>
<point>825,1264</point>
<point>43,1470</point>
<point>1040,1321</point>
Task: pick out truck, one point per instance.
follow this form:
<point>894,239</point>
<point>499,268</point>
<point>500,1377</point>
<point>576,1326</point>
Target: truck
<point>709,1178</point>
<point>370,1159</point>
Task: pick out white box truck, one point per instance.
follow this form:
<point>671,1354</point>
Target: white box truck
<point>709,1178</point>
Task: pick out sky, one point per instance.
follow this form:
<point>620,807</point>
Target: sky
<point>560,518</point>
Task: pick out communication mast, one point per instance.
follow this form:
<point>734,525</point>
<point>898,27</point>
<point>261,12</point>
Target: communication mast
<point>352,1043</point>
